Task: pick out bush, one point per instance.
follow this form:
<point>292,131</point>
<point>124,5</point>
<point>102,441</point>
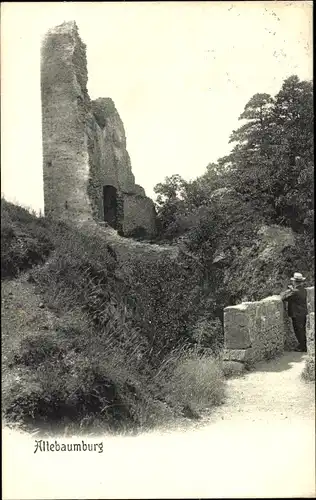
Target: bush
<point>194,381</point>
<point>209,333</point>
<point>166,299</point>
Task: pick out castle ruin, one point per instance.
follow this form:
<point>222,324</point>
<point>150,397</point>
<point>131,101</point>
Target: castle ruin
<point>86,167</point>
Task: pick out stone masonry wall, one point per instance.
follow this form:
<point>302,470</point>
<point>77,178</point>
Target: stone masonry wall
<point>64,104</point>
<point>310,323</point>
<point>109,162</point>
<point>309,369</point>
<point>254,331</point>
<point>138,213</point>
<point>84,142</point>
<point>109,134</point>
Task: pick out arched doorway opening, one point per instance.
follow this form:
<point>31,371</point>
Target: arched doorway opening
<point>110,205</point>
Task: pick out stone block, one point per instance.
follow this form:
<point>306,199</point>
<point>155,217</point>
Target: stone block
<point>309,368</point>
<point>232,368</point>
<point>310,299</point>
<point>139,190</point>
<point>238,355</point>
<point>139,215</point>
<point>310,334</point>
<point>254,331</point>
<point>310,323</point>
<point>236,328</point>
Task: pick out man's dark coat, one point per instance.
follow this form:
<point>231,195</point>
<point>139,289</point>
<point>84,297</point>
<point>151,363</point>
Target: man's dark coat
<point>297,302</point>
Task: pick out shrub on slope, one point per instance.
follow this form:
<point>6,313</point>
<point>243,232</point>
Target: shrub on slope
<point>25,239</point>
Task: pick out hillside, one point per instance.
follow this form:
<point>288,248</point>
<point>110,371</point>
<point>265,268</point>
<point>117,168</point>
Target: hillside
<point>105,332</point>
<point>249,218</point>
<point>88,339</point>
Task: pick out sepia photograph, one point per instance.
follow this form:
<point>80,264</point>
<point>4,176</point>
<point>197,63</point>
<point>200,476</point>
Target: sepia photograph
<point>157,250</point>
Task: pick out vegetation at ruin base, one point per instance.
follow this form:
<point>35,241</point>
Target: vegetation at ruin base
<point>88,341</point>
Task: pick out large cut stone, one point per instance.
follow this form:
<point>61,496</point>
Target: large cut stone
<point>240,355</point>
<point>232,368</point>
<point>236,327</point>
<point>310,299</point>
<point>254,331</point>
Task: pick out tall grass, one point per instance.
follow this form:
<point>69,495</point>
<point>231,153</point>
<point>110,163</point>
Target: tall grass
<point>25,239</point>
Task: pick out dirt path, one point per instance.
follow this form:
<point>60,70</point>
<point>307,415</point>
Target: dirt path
<point>260,443</point>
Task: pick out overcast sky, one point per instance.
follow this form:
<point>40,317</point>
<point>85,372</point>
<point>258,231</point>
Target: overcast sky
<point>179,73</point>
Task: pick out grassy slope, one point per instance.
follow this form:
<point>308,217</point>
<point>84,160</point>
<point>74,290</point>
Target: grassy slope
<point>75,351</point>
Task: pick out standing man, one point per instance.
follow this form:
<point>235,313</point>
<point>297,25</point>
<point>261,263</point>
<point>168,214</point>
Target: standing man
<point>295,296</point>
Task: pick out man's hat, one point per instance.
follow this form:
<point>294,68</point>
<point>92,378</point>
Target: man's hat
<point>298,277</point>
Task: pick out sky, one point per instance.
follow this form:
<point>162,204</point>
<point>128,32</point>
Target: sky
<point>180,74</point>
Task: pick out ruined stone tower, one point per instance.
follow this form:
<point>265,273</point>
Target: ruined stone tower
<point>86,167</point>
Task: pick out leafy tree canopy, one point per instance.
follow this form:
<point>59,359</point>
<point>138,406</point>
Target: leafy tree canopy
<point>270,165</point>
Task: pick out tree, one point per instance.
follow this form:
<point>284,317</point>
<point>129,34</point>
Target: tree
<point>254,135</point>
<point>199,191</point>
<point>293,142</point>
<point>271,164</point>
<point>170,200</point>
